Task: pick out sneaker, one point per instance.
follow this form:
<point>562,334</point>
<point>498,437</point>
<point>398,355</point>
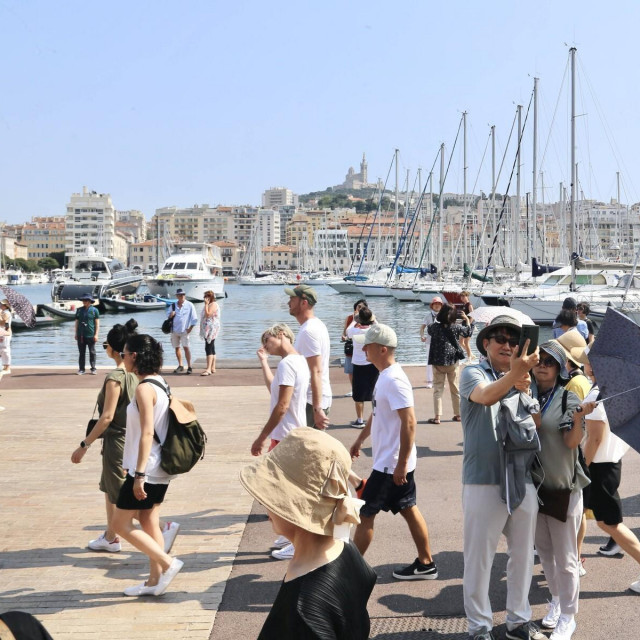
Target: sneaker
<point>6,372</point>
<point>635,586</point>
<point>94,372</point>
<point>280,542</point>
<point>417,571</point>
<point>363,484</point>
<point>612,548</point>
<point>553,613</point>
<point>485,635</point>
<point>526,631</point>
<point>168,576</point>
<point>189,370</point>
<point>140,590</point>
<point>80,373</point>
<point>564,629</point>
<point>169,533</point>
<point>286,553</point>
<point>430,386</point>
<point>349,394</point>
<point>581,570</point>
<point>102,544</point>
<point>179,369</point>
<point>358,424</point>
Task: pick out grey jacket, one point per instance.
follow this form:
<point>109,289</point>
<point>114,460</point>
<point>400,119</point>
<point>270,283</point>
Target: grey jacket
<point>519,442</point>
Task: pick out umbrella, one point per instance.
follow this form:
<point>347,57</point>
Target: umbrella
<point>21,305</point>
<point>615,358</point>
<point>486,314</point>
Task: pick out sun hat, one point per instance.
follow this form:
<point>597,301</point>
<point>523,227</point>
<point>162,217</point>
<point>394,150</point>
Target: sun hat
<point>580,354</point>
<point>435,300</point>
<point>557,352</point>
<point>504,321</point>
<point>378,334</point>
<point>569,340</point>
<point>304,480</point>
<point>181,292</point>
<point>87,296</point>
<point>5,302</point>
<point>303,291</point>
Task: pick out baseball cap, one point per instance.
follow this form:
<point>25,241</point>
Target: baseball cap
<point>378,334</point>
<point>303,291</point>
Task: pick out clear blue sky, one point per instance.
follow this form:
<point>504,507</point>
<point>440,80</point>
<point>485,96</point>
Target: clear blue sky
<point>174,103</point>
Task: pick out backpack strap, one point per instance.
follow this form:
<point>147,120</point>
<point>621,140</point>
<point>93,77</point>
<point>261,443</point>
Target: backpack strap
<point>167,390</point>
<point>565,393</point>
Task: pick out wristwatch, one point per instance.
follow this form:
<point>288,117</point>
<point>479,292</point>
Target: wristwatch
<point>84,445</point>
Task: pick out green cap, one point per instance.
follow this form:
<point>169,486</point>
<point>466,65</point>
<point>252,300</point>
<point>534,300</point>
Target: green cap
<point>303,291</point>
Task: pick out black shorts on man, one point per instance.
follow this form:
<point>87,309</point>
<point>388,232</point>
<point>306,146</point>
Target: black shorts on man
<point>381,493</point>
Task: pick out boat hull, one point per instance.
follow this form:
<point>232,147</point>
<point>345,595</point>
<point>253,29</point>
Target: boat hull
<point>194,288</point>
<point>404,295</point>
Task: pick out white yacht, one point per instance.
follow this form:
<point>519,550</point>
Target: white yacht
<point>195,267</point>
<point>96,275</point>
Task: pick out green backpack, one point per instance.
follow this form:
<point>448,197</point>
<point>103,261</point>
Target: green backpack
<point>185,441</point>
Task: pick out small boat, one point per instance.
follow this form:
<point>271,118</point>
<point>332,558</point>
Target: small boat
<point>133,303</point>
<point>65,310</point>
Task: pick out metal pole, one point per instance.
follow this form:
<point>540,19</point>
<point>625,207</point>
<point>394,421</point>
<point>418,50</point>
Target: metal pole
<point>516,212</point>
<point>534,199</point>
<point>572,227</point>
<point>441,212</point>
<point>464,189</point>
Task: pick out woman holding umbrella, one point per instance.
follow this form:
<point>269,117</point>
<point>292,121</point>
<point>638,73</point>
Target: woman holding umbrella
<point>5,336</point>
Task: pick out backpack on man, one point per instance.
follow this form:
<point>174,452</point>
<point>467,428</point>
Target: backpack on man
<point>185,441</point>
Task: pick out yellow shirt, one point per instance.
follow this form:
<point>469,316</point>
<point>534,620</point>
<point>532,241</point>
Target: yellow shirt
<point>580,385</point>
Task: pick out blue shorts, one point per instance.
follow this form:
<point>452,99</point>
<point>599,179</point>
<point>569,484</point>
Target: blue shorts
<point>348,365</point>
<point>382,494</point>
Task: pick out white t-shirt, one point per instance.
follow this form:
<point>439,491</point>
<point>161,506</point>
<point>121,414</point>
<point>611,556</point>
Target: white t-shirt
<point>430,318</point>
<point>292,371</point>
<point>155,473</point>
<point>612,448</point>
<point>392,392</point>
<point>358,357</point>
<point>313,340</point>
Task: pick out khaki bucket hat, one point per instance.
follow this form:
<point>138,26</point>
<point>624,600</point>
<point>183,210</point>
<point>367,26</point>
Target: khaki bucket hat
<point>305,481</point>
<point>571,340</point>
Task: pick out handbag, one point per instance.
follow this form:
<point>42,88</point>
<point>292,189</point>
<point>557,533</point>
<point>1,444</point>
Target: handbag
<point>348,347</point>
<point>554,502</point>
<point>167,325</point>
<point>92,423</point>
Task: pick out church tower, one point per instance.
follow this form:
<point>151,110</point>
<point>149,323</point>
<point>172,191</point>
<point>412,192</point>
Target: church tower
<point>363,171</point>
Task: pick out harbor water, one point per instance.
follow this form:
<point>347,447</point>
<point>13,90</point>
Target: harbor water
<point>245,313</point>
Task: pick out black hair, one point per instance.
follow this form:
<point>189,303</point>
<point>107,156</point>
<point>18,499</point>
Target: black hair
<point>148,353</point>
<point>447,315</point>
<point>585,307</point>
<point>361,301</point>
<point>120,333</point>
<point>568,318</point>
<point>365,316</point>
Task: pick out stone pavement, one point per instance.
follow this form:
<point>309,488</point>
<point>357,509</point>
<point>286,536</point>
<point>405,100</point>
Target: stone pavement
<point>50,509</point>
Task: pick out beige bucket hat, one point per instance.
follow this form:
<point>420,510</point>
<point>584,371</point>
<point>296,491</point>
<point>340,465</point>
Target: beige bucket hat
<point>571,340</point>
<point>305,481</point>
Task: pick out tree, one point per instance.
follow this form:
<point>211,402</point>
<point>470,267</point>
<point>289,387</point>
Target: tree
<point>48,263</point>
<point>58,256</point>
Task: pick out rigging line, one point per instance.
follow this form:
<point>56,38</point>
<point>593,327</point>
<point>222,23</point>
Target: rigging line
<point>484,154</point>
<point>417,209</point>
<point>504,201</point>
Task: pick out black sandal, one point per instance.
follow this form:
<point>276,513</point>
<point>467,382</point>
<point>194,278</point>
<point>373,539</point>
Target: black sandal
<point>433,421</point>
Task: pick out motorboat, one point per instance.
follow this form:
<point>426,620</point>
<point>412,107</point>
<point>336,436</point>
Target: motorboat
<point>195,267</point>
<point>135,303</point>
<point>96,275</point>
<point>62,309</point>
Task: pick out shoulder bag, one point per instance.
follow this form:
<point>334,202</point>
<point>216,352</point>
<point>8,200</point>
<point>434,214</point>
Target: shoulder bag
<point>460,354</point>
<point>92,423</point>
<point>167,325</point>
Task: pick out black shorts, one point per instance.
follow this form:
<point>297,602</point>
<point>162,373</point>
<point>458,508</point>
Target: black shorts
<point>604,499</point>
<point>365,377</point>
<point>382,494</point>
<point>128,502</point>
<point>210,348</point>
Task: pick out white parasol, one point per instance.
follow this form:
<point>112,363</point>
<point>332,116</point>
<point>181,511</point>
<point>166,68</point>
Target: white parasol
<point>486,314</point>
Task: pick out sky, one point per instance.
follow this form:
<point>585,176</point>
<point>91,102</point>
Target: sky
<point>200,101</point>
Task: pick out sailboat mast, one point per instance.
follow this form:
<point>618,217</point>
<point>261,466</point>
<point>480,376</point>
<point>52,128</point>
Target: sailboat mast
<point>493,191</point>
<point>395,220</point>
<point>516,212</point>
<point>440,212</point>
<point>420,217</point>
<point>534,199</point>
<point>572,203</point>
<point>464,188</point>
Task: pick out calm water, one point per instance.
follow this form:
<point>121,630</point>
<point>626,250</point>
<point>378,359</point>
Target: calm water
<point>246,313</point>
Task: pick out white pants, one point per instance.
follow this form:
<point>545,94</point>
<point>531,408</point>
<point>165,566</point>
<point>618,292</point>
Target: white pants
<point>556,543</point>
<point>485,519</point>
<point>5,350</point>
<point>429,367</point>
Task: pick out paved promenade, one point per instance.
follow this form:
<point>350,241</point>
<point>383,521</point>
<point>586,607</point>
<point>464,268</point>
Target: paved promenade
<point>50,509</point>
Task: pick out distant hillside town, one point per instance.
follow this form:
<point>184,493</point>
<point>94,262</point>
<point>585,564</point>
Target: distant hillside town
<point>327,230</point>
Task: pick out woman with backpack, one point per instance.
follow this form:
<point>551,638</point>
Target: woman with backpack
<point>444,354</point>
<point>146,482</point>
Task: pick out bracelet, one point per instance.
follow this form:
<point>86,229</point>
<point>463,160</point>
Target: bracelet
<point>139,474</point>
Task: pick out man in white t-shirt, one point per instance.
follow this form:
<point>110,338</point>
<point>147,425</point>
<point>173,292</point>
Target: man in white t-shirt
<point>314,344</point>
<point>392,425</point>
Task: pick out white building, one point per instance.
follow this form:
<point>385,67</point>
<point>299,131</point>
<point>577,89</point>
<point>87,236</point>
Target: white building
<point>279,197</point>
<point>331,250</point>
<point>90,222</point>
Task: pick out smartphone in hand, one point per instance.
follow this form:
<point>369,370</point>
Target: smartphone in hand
<point>528,332</point>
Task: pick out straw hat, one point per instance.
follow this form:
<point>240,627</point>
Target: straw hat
<point>569,340</point>
<point>5,302</point>
<point>305,481</point>
<point>580,354</point>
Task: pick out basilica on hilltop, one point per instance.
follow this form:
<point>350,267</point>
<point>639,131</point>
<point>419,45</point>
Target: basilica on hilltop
<point>357,181</point>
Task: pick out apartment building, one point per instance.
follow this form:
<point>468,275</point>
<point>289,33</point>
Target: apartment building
<point>280,257</point>
<point>144,254</point>
<point>231,257</point>
<point>44,235</point>
<point>90,222</point>
<point>277,197</point>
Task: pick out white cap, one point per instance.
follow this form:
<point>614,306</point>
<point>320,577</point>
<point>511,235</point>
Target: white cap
<point>378,334</point>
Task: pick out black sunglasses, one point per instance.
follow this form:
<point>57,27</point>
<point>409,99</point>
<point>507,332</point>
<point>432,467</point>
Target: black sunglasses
<point>547,362</point>
<point>105,345</point>
<point>501,339</point>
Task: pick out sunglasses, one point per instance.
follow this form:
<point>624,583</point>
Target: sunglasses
<point>579,308</point>
<point>123,354</point>
<point>501,339</point>
<point>547,362</point>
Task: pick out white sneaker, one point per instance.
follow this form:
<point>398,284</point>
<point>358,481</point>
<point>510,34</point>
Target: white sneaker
<point>6,372</point>
<point>553,613</point>
<point>286,553</point>
<point>349,394</point>
<point>581,570</point>
<point>80,373</point>
<point>280,542</point>
<point>140,590</point>
<point>169,533</point>
<point>635,586</point>
<point>429,385</point>
<point>168,576</point>
<point>102,544</point>
<point>565,628</point>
